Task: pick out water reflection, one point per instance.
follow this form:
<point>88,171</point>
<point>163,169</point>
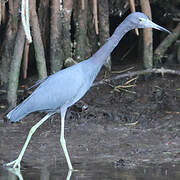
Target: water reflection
<point>15,174</point>
<point>94,171</point>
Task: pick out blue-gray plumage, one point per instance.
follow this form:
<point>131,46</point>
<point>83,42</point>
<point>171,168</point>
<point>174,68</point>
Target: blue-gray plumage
<point>64,88</point>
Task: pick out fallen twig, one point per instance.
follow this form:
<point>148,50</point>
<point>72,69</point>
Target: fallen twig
<point>137,73</point>
<point>118,72</point>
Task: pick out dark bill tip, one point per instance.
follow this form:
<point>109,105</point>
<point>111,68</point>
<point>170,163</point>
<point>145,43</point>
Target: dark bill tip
<point>163,29</point>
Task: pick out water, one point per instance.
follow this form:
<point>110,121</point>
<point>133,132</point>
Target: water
<point>95,171</point>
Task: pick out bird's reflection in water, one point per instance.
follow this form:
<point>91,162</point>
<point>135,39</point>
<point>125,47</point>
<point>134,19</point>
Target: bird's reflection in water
<point>44,175</point>
<point>93,170</point>
<point>16,172</point>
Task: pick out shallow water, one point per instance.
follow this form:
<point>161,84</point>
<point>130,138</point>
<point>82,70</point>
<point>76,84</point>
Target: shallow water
<point>96,171</point>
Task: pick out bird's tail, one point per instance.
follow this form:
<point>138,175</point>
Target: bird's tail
<point>17,113</point>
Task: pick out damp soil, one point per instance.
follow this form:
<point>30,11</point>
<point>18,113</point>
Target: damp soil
<point>125,128</point>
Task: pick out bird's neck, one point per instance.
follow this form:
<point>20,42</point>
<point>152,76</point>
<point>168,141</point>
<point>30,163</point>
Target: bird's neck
<point>101,55</point>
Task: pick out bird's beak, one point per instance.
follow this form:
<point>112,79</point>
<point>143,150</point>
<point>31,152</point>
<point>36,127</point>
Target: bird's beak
<point>155,26</point>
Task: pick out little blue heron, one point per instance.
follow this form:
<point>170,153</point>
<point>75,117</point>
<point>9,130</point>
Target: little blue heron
<point>64,88</point>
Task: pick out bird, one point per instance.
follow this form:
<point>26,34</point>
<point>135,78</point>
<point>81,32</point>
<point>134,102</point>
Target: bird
<point>59,91</point>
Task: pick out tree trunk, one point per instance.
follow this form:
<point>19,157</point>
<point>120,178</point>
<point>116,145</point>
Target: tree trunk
<point>104,26</point>
<point>8,42</point>
<point>93,37</point>
<point>37,41</point>
<point>44,24</point>
<point>81,41</point>
<point>56,53</point>
<point>147,35</point>
<point>67,47</point>
<point>15,67</point>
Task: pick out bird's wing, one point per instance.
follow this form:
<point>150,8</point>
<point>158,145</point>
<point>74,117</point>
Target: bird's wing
<point>63,88</point>
<point>37,83</point>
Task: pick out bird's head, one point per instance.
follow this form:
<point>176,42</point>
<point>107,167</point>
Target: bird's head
<point>140,20</point>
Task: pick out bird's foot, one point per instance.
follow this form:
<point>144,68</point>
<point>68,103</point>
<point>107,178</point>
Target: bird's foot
<point>14,164</point>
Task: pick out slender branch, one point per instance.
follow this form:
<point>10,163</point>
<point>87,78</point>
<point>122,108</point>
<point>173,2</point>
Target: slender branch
<point>26,53</point>
<point>133,9</point>
<point>82,4</point>
<point>95,16</point>
<point>25,19</point>
<point>137,73</point>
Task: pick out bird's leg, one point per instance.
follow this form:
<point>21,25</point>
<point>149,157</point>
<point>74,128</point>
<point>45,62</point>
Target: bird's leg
<point>62,140</point>
<point>16,163</point>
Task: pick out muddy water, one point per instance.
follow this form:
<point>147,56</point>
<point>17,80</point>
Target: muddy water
<point>96,171</point>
